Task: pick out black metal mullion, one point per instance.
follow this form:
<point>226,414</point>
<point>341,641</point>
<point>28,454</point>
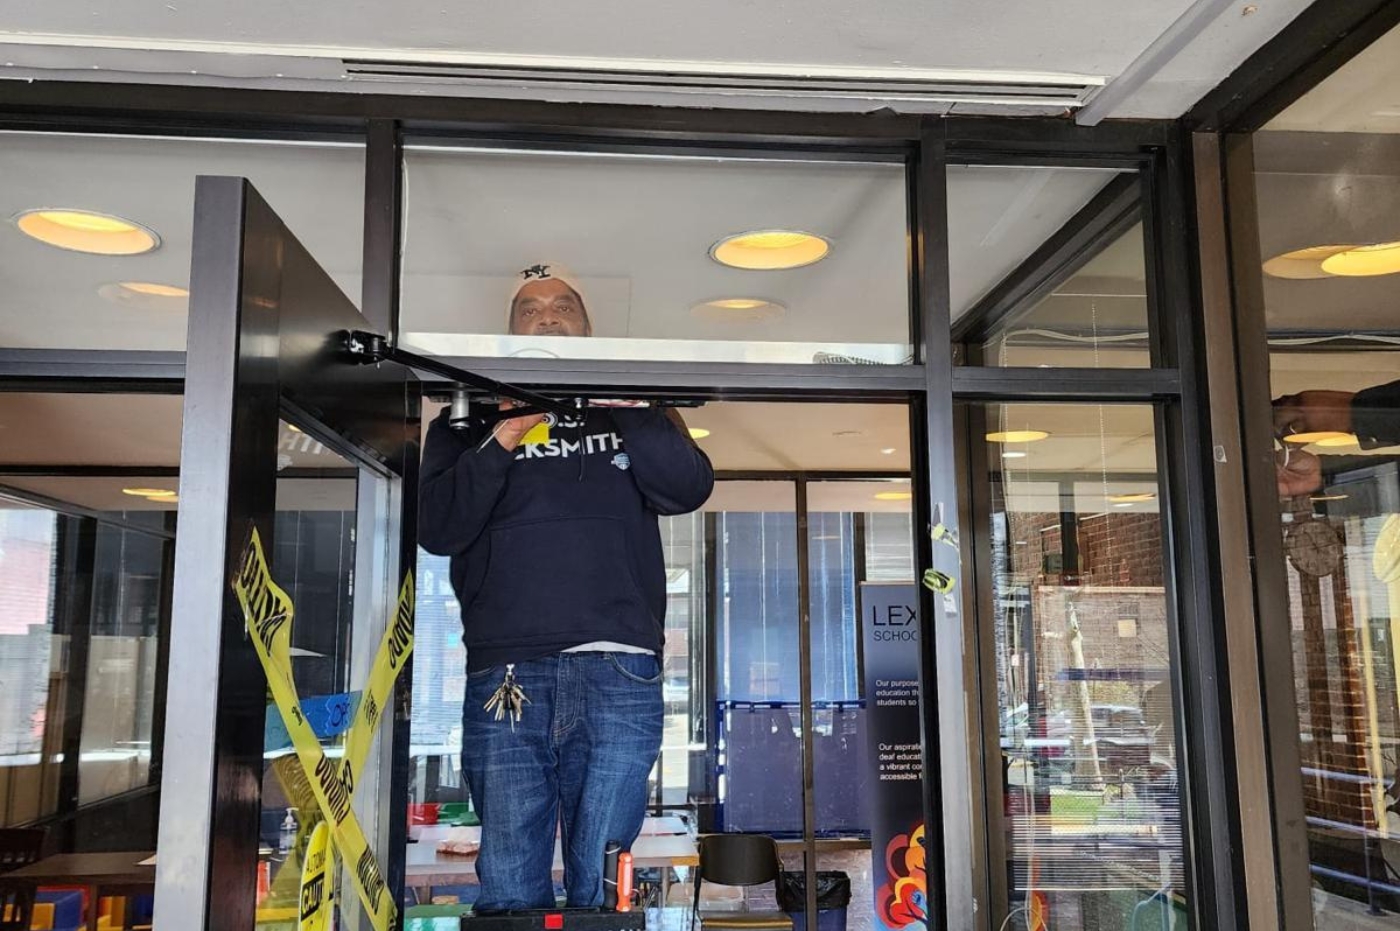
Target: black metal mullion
<point>979,597</point>
<point>948,789</point>
<point>1067,385</point>
<point>858,570</point>
<point>1270,578</point>
<point>711,679</point>
<point>1320,40</point>
<point>379,291</point>
<point>76,571</point>
<point>1201,681</point>
<point>162,680</point>
<point>804,658</point>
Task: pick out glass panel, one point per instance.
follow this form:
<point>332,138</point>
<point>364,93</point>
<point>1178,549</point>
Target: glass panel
<point>313,556</point>
<point>97,299</point>
<point>683,671</point>
<point>757,688</point>
<point>1092,831</point>
<point>839,520</point>
<point>29,643</point>
<point>119,707</point>
<point>85,541</point>
<point>1328,189</point>
<point>638,241</point>
<point>1026,308</point>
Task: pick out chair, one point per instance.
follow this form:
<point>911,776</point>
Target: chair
<point>18,847</point>
<point>739,860</point>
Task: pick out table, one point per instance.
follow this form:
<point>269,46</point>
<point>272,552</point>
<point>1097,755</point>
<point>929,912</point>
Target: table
<point>101,874</point>
<point>663,844</point>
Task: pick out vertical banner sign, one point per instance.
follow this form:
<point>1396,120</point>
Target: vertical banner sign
<point>890,621</point>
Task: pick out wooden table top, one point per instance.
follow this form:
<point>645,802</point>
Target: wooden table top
<point>89,869</point>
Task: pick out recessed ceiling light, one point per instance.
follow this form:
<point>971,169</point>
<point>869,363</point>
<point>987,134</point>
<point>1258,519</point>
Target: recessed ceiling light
<point>1132,497</point>
<point>148,492</point>
<point>294,428</point>
<point>1321,438</point>
<point>1363,261</point>
<point>698,433</point>
<point>1302,264</point>
<point>888,451</point>
<point>155,289</point>
<point>87,231</point>
<point>1124,504</point>
<point>738,309</point>
<point>1340,439</point>
<point>1013,454</point>
<point>1329,497</point>
<point>894,495</point>
<point>770,250</point>
<point>145,295</point>
<point>1017,436</point>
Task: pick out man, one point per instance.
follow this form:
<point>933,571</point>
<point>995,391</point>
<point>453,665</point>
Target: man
<point>1373,415</point>
<point>557,564</point>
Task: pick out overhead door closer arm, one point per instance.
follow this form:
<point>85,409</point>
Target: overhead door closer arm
<point>372,348</point>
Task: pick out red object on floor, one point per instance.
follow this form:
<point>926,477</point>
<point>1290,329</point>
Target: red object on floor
<point>624,882</point>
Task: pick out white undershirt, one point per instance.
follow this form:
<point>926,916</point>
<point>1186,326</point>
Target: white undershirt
<point>607,646</point>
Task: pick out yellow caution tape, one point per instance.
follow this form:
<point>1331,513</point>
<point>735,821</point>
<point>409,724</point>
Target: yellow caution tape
<point>268,613</point>
<point>317,880</point>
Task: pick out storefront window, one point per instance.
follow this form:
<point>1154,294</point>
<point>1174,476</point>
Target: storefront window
<point>675,259</point>
<point>1085,714</point>
<point>1047,267</point>
<point>1328,193</point>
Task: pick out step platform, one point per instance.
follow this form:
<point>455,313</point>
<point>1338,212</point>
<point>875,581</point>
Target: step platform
<point>558,919</point>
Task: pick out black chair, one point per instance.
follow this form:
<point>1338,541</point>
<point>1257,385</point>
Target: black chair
<point>18,847</point>
<point>739,860</point>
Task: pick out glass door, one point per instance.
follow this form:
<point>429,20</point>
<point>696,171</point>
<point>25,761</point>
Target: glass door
<point>285,789</point>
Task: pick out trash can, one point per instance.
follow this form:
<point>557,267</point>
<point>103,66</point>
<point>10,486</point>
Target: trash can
<point>833,897</point>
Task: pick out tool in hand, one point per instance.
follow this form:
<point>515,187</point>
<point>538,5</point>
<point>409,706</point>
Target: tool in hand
<point>509,700</point>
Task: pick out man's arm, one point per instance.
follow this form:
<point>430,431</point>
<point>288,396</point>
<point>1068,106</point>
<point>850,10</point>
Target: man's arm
<point>674,475</point>
<point>459,486</point>
<point>1373,414</point>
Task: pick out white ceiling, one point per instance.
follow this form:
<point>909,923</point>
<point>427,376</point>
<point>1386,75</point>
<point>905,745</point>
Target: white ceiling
<point>277,44</point>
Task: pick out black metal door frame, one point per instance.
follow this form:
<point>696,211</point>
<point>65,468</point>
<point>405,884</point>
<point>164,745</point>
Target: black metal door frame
<point>266,330</point>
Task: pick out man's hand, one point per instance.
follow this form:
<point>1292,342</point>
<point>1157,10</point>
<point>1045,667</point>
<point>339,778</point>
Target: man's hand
<point>510,432</point>
<point>1299,473</point>
<point>1313,412</point>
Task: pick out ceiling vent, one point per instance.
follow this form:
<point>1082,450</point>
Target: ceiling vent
<point>913,90</point>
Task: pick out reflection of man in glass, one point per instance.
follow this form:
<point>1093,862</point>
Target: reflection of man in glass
<point>1373,416</point>
<point>557,563</point>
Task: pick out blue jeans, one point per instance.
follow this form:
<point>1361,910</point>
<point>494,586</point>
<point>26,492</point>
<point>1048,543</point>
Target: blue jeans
<point>579,757</point>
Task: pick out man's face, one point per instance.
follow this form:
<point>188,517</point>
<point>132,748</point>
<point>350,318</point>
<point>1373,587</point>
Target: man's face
<point>549,308</point>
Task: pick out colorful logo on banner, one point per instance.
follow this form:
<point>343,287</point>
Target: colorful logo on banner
<point>902,900</point>
<point>268,614</point>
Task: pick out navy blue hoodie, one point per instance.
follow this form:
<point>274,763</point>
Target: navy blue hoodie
<point>556,544</point>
